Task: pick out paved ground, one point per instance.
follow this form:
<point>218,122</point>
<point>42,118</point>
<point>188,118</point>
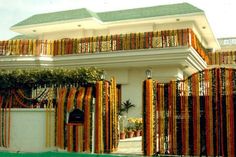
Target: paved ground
<point>130,146</point>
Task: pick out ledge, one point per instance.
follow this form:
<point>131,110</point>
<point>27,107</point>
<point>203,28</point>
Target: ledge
<point>181,56</point>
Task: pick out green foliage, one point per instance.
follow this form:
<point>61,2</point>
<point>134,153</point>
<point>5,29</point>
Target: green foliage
<point>125,107</point>
<point>24,78</point>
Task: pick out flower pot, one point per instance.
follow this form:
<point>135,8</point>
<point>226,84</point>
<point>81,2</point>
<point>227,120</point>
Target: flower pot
<point>130,134</point>
<point>137,133</point>
<point>122,135</point>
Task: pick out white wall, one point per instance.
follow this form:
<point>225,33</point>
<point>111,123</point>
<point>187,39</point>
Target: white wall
<point>80,33</point>
<point>133,91</point>
<point>131,80</point>
<point>131,28</point>
<point>65,34</point>
<point>28,130</point>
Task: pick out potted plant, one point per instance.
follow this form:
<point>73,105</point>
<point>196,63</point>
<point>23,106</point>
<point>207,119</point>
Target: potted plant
<point>138,126</point>
<point>130,132</point>
<point>130,128</point>
<point>124,108</point>
<point>122,129</point>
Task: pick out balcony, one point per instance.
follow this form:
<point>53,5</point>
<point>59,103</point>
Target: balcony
<point>172,54</point>
<point>109,44</point>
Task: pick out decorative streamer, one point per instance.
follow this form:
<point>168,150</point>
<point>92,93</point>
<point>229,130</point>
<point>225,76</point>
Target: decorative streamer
<point>149,146</point>
<point>80,98</point>
<point>161,118</point>
<point>108,117</point>
<point>75,131</point>
<point>99,143</point>
<point>205,118</point>
<point>113,117</point>
<point>196,115</point>
<point>220,83</point>
<point>60,122</point>
<point>87,120</point>
<point>79,135</point>
<point>185,118</point>
<point>5,120</point>
<point>75,137</point>
<point>230,113</point>
<point>172,117</point>
<point>1,120</point>
<point>49,118</point>
<point>209,113</point>
<point>70,99</point>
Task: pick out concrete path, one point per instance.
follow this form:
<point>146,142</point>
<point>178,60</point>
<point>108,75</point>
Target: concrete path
<point>130,146</point>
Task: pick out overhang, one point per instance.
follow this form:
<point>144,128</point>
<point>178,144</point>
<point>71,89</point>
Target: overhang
<point>183,57</point>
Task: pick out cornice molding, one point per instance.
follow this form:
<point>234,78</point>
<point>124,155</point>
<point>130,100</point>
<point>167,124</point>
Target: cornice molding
<point>178,56</point>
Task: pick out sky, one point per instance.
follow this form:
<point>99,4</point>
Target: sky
<point>220,13</point>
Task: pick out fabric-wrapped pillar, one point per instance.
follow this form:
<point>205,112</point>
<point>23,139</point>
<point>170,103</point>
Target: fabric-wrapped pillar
<point>149,118</point>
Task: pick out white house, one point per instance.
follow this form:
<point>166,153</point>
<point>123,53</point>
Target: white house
<point>171,40</point>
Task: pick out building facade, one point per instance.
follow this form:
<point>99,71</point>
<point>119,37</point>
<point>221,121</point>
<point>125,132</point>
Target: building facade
<point>173,41</point>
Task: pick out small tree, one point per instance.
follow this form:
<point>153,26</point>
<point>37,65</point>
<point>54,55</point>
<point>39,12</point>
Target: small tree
<point>125,107</point>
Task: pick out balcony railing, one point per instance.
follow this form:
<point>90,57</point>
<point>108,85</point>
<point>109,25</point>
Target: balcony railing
<point>219,58</point>
<point>109,43</point>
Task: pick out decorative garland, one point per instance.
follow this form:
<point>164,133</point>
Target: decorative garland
<point>222,57</point>
<point>49,117</point>
<point>145,40</point>
<point>99,142</point>
<point>184,116</point>
<point>88,108</point>
<point>60,117</point>
<point>114,117</point>
<point>201,118</point>
<point>74,137</point>
<point>172,117</point>
<point>5,120</point>
<point>26,102</point>
<point>23,95</point>
<point>196,114</point>
<point>79,135</point>
<point>1,119</point>
<point>149,118</point>
<point>70,99</point>
<point>161,118</point>
<point>80,97</point>
<point>106,117</point>
<point>209,113</point>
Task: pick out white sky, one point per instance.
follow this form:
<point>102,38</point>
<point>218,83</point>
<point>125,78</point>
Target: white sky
<point>220,13</point>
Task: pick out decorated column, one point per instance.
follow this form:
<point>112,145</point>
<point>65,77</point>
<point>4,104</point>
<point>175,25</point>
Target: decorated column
<point>149,118</point>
